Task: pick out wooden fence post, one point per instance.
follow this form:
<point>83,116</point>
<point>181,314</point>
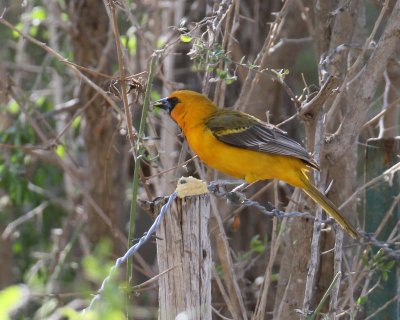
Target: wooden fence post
<point>183,248</point>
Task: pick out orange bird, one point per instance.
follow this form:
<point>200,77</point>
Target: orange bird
<point>244,147</point>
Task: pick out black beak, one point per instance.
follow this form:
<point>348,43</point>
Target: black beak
<point>164,104</point>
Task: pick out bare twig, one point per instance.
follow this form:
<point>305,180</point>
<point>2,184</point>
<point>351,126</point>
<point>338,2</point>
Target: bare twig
<point>261,306</point>
<point>380,114</point>
<point>24,218</point>
<point>281,304</point>
<point>314,262</point>
<point>387,175</point>
<point>170,169</point>
<point>325,296</point>
<point>284,41</point>
<point>311,107</point>
<point>394,253</point>
<point>383,307</point>
<point>224,294</point>
<point>275,76</point>
<point>152,280</point>
<point>337,267</point>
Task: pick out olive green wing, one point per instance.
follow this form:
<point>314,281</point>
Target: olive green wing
<point>244,131</point>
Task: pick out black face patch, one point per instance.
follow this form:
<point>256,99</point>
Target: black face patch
<point>173,101</point>
<point>167,104</point>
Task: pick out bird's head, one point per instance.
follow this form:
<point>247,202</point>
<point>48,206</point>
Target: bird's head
<point>187,107</point>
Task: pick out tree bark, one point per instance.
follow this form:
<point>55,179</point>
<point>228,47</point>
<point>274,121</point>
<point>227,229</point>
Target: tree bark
<point>345,166</point>
<point>106,152</point>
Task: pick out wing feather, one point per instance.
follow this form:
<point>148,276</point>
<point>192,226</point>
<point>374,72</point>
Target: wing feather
<point>244,131</point>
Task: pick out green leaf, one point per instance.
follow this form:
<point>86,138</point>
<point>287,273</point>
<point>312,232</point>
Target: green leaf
<point>64,17</point>
<point>13,107</point>
<point>17,247</point>
<point>280,73</point>
<point>93,269</point>
<point>161,43</point>
<point>185,38</point>
<point>38,14</point>
<point>275,277</point>
<point>390,265</point>
<point>33,30</point>
<point>76,122</point>
<point>129,43</point>
<point>60,150</point>
<point>19,26</point>
<point>362,300</point>
<point>230,79</point>
<point>97,266</point>
<point>72,314</point>
<point>154,95</point>
<point>223,74</point>
<point>256,244</point>
<point>10,299</point>
<point>46,309</point>
<point>219,270</point>
<point>40,101</point>
<point>116,315</point>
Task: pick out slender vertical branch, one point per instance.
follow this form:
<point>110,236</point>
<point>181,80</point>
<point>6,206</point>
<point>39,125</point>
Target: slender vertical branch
<point>231,24</point>
<point>337,267</point>
<point>122,77</point>
<point>261,307</point>
<point>325,296</point>
<point>316,130</point>
<point>135,181</point>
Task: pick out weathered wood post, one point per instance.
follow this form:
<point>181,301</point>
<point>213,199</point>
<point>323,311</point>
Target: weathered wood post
<point>183,248</point>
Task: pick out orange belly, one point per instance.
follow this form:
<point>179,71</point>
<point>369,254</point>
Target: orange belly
<point>242,163</point>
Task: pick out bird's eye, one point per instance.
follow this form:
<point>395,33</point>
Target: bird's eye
<point>173,101</point>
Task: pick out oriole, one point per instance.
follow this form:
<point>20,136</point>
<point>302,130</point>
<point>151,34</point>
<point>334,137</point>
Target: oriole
<point>244,147</point>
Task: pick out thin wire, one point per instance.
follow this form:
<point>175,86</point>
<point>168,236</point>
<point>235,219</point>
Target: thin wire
<point>239,198</point>
<point>154,227</point>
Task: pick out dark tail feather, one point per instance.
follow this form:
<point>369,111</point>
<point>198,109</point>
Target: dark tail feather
<point>330,208</point>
